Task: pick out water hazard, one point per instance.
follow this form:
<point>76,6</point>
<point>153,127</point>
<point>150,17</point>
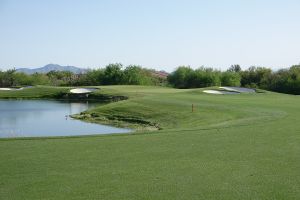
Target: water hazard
<point>41,118</point>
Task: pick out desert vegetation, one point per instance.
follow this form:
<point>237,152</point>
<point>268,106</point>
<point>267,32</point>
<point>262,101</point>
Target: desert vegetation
<point>283,80</point>
<point>112,74</point>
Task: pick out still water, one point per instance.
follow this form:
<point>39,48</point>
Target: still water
<point>40,118</point>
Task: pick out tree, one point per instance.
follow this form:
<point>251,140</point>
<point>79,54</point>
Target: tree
<point>256,77</point>
<point>286,80</point>
<point>40,79</point>
<point>230,79</point>
<point>22,79</point>
<point>204,77</point>
<point>235,68</point>
<point>179,78</point>
<point>61,77</point>
<point>136,75</point>
<point>185,77</point>
<point>113,74</point>
<point>7,78</point>
<point>91,77</point>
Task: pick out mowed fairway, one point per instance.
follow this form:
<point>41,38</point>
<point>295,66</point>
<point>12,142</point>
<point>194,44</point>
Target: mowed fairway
<point>231,147</point>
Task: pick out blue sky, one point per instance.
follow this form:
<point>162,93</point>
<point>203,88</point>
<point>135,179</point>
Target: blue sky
<point>160,34</point>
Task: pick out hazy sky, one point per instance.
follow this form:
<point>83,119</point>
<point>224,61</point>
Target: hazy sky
<point>161,34</point>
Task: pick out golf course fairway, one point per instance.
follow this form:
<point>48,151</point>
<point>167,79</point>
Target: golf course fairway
<point>244,146</point>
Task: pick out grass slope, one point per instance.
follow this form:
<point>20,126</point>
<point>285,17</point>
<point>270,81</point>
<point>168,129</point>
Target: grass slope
<point>231,147</point>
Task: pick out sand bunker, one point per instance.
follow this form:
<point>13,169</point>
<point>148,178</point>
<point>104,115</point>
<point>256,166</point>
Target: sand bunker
<point>238,89</point>
<point>10,89</point>
<point>230,90</point>
<point>6,89</point>
<point>219,92</point>
<point>82,90</point>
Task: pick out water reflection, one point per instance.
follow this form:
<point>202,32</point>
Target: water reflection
<point>31,118</point>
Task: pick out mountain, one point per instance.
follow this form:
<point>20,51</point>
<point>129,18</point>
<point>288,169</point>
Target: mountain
<point>51,67</point>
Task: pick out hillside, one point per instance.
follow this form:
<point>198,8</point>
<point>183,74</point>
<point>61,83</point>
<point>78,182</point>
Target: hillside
<point>51,67</point>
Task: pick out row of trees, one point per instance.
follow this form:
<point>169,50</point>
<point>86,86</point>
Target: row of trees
<point>112,74</point>
<point>186,77</point>
<point>12,78</point>
<point>284,80</point>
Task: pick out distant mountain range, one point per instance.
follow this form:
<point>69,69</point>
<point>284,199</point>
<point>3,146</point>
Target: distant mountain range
<point>51,67</point>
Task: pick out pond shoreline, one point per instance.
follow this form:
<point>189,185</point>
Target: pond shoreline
<point>47,118</point>
<point>135,124</point>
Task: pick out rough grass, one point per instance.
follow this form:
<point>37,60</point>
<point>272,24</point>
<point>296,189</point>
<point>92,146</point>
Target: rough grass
<point>231,147</point>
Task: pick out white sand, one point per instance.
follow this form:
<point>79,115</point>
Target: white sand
<point>238,89</point>
<point>81,90</point>
<point>219,92</point>
<point>10,89</point>
<point>230,90</point>
<point>6,89</point>
<point>212,92</point>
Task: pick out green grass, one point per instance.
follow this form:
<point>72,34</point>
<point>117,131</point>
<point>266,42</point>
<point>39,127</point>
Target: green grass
<point>231,147</point>
<point>35,92</point>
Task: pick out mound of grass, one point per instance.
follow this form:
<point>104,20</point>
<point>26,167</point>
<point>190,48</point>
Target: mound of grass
<point>166,108</point>
<point>58,93</point>
<point>35,92</point>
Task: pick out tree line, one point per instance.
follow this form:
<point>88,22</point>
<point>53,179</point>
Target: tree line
<point>283,80</point>
<point>112,74</point>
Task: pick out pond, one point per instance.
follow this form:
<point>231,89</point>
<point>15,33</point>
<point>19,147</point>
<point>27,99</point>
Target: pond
<point>43,118</point>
